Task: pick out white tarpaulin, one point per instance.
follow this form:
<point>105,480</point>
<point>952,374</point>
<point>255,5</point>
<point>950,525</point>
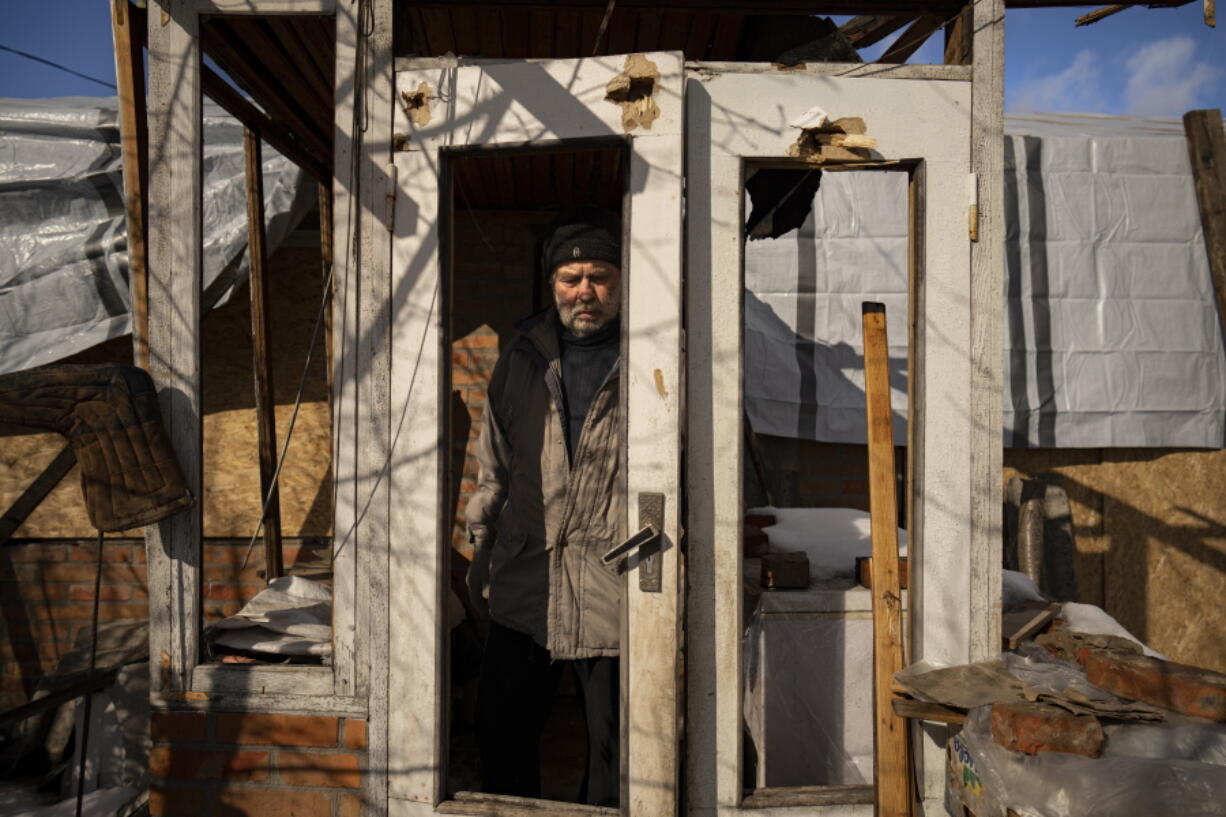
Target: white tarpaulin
<point>63,246</point>
<point>1111,330</point>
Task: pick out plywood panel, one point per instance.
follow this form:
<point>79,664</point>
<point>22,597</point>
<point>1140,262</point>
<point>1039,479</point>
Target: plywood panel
<point>1151,540</point>
<point>231,473</point>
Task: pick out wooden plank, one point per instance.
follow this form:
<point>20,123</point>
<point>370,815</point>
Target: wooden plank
<point>869,29</point>
<point>925,711</point>
<point>1207,153</point>
<point>891,765</point>
<point>1100,14</point>
<point>369,657</point>
<point>36,492</point>
<point>790,6</point>
<point>915,36</point>
<point>287,32</point>
<point>263,679</point>
<point>237,61</point>
<point>100,679</point>
<point>958,39</point>
<point>265,7</point>
<point>1027,624</point>
<point>954,73</point>
<point>128,36</point>
<point>798,796</point>
<point>175,275</point>
<point>329,286</point>
<point>276,134</point>
<point>261,356</point>
<point>467,32</point>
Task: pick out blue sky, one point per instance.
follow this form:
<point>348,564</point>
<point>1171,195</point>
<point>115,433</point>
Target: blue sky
<point>1152,62</point>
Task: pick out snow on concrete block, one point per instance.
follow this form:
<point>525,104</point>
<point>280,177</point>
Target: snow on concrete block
<point>1035,727</point>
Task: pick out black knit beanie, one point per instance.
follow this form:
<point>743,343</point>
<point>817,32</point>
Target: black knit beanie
<point>583,234</point>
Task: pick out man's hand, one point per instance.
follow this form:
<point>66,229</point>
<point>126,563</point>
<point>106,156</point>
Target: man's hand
<point>478,580</point>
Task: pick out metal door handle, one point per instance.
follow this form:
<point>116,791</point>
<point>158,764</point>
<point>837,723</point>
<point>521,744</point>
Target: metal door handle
<point>651,520</point>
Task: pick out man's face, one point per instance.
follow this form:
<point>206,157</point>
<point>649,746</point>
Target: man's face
<point>588,294</point>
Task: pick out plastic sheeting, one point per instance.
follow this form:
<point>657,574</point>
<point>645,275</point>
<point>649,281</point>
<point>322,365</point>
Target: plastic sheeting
<point>1111,330</point>
<point>1144,769</point>
<point>292,616</point>
<point>63,246</point>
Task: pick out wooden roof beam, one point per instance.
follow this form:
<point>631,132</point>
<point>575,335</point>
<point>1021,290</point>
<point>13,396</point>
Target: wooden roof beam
<point>868,29</point>
<point>914,37</point>
<point>276,134</point>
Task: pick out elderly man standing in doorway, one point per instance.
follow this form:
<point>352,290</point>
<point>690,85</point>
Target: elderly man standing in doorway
<point>547,506</point>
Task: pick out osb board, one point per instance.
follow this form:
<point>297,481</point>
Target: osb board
<point>231,471</point>
<point>1150,526</point>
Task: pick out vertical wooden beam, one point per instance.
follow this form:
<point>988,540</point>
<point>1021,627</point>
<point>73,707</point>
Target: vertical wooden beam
<point>329,284</point>
<point>128,35</point>
<point>1207,152</point>
<point>261,356</point>
<point>362,261</point>
<point>175,274</point>
<point>891,765</point>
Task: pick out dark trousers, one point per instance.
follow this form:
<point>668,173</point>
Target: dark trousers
<point>517,686</point>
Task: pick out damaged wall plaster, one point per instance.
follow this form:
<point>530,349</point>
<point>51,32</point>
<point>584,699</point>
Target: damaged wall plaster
<point>417,104</point>
<point>633,90</point>
<point>823,140</point>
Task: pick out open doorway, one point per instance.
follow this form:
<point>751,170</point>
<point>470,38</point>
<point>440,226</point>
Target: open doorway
<point>819,242</point>
<point>500,208</point>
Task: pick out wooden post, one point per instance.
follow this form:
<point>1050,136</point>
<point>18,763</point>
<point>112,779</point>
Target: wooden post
<point>325,250</point>
<point>890,750</point>
<point>1207,151</point>
<point>265,407</point>
<point>128,32</point>
<point>175,272</point>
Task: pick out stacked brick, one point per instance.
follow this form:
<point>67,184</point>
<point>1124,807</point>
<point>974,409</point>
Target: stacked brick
<point>206,763</point>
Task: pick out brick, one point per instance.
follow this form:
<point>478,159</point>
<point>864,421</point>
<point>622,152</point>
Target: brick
<point>349,805</point>
<point>175,801</point>
<point>317,769</point>
<point>275,730</point>
<point>39,592</point>
<point>263,802</point>
<point>480,339</point>
<point>354,735</point>
<point>202,764</point>
<point>1033,728</point>
<point>115,612</point>
<point>107,592</point>
<point>1183,688</point>
<point>180,727</point>
<point>47,554</point>
<point>64,572</point>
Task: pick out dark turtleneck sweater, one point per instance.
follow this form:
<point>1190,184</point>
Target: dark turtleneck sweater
<point>586,362</point>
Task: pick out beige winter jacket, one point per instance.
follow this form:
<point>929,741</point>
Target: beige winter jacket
<point>547,519</point>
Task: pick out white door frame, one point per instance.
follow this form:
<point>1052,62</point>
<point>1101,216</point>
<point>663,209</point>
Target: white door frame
<point>519,104</point>
<point>738,113</point>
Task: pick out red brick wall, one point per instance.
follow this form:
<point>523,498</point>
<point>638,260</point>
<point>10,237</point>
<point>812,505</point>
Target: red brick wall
<point>47,592</point>
<point>260,765</point>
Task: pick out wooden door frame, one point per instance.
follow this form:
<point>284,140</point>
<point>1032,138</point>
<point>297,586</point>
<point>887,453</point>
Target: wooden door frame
<point>530,104</point>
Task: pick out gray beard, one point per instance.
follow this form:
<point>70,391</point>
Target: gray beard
<point>582,327</point>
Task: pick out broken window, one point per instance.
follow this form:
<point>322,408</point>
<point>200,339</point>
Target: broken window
<point>819,242</point>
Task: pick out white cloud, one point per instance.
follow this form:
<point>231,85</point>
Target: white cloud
<point>1076,89</point>
<point>1166,79</point>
